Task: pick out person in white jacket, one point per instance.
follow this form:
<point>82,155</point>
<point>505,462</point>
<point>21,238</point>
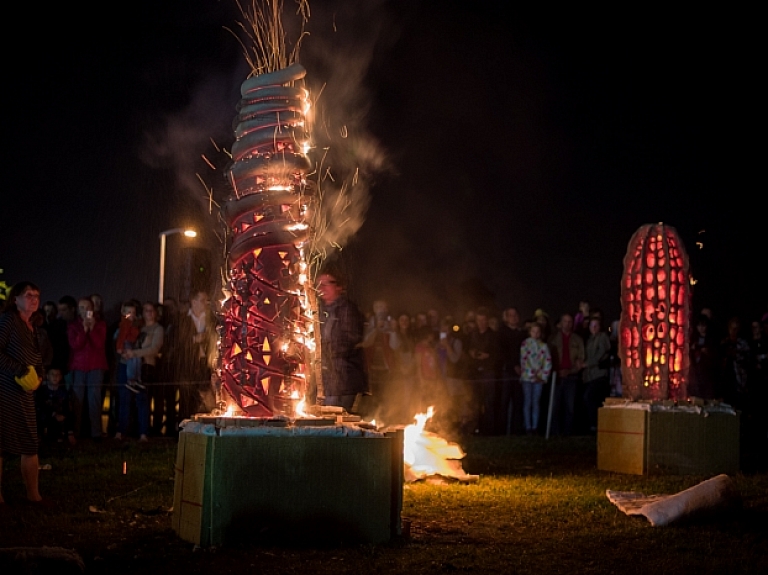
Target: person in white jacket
<point>536,366</point>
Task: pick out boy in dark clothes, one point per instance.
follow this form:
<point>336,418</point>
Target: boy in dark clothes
<point>54,413</point>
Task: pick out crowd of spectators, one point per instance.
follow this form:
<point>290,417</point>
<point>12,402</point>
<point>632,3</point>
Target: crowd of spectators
<point>486,373</point>
<point>493,375</point>
<point>122,378</point>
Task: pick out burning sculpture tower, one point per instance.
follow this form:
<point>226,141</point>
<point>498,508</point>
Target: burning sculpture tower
<point>266,334</point>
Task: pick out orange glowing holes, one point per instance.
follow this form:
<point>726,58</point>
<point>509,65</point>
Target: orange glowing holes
<point>655,306</point>
<point>649,332</point>
<point>678,360</point>
<point>649,311</point>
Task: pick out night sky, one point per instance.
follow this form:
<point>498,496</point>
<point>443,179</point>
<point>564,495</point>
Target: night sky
<point>508,153</point>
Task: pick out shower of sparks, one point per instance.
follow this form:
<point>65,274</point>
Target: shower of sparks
<point>265,48</point>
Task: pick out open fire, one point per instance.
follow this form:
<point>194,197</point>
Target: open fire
<point>426,454</point>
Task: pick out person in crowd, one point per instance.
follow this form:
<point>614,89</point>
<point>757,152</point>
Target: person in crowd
<point>380,312</point>
<point>484,365</point>
<point>67,307</point>
<point>703,361</point>
<point>43,341</point>
<point>597,361</point>
<point>433,321</point>
<point>56,327</point>
<point>343,360</point>
<point>87,339</point>
<point>196,356</point>
<point>401,340</point>
<point>568,357</point>
<point>581,319</point>
<point>146,350</point>
<point>380,362</point>
<point>54,410</point>
<point>615,370</point>
<point>734,358</point>
<point>511,337</point>
<point>542,318</point>
<point>50,311</point>
<point>453,362</point>
<point>163,397</point>
<point>536,366</point>
<point>758,378</point>
<point>126,336</point>
<point>427,369</point>
<point>758,352</point>
<point>98,305</point>
<point>20,363</point>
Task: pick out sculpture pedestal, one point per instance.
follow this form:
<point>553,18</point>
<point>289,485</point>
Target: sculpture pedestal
<point>643,440</point>
<point>295,488</point>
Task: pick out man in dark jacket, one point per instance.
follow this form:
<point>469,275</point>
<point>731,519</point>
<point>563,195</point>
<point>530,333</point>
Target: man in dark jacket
<point>195,356</point>
<point>343,360</point>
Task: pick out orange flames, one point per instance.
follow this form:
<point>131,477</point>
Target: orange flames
<point>426,454</point>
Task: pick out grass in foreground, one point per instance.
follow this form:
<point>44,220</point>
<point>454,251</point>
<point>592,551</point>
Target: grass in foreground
<point>539,507</point>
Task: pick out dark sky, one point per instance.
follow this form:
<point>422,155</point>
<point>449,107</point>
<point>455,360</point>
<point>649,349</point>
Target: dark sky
<point>520,149</point>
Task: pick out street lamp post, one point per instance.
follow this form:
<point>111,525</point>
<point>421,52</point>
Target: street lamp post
<point>161,284</point>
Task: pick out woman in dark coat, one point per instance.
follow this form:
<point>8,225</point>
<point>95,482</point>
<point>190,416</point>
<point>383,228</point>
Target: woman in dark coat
<point>20,359</point>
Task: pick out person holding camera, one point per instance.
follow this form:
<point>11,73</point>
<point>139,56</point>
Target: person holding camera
<point>87,337</point>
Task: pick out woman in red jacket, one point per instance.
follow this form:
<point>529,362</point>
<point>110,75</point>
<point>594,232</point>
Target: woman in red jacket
<point>87,336</point>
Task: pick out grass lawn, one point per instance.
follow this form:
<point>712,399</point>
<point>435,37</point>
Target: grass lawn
<point>539,507</point>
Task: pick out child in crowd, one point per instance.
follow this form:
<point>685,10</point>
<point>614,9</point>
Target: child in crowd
<point>536,363</point>
<point>427,367</point>
<point>54,413</point>
<point>129,370</point>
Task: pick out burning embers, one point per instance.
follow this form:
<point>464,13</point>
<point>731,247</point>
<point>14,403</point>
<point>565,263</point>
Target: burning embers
<point>267,329</point>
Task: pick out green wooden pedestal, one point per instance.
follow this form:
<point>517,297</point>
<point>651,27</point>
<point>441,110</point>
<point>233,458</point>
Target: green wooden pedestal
<point>667,442</point>
<point>306,488</point>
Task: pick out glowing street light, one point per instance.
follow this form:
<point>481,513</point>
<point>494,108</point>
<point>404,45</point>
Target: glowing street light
<point>190,233</point>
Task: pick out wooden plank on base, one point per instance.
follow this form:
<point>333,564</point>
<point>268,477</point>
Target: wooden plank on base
<point>621,440</point>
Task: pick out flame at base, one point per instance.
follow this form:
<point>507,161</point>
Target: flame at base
<point>426,454</point>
